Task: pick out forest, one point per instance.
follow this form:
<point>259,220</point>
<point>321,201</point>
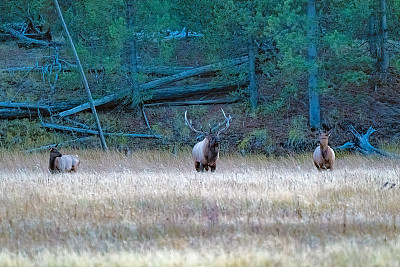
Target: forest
<point>283,69</point>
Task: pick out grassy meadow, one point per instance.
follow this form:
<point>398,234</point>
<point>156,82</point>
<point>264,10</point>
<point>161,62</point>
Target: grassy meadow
<point>153,209</point>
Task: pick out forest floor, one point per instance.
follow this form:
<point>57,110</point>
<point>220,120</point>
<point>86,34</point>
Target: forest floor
<point>153,209</point>
<point>280,131</point>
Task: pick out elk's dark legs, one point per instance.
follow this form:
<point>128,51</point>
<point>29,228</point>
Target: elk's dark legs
<point>318,167</point>
<point>201,167</point>
<point>206,167</point>
<point>197,166</point>
<point>213,167</point>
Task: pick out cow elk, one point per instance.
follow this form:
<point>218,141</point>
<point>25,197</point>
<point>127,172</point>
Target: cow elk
<point>62,163</point>
<point>206,153</point>
<point>324,156</point>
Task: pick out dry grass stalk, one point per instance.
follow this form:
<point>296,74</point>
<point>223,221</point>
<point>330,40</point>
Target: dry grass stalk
<point>152,208</point>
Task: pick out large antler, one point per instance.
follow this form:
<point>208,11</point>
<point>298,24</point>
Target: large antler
<point>228,121</point>
<point>189,124</point>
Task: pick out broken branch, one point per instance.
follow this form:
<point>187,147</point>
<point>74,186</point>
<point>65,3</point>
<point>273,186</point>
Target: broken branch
<point>87,131</point>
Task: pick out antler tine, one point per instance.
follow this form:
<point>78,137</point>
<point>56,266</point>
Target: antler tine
<point>189,124</point>
<point>228,121</point>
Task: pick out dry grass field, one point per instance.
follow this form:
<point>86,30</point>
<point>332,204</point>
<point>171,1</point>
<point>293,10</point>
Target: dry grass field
<point>153,209</point>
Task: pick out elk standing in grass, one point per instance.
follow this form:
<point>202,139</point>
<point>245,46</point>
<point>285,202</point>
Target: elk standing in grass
<point>324,156</point>
<point>62,163</point>
<point>206,153</point>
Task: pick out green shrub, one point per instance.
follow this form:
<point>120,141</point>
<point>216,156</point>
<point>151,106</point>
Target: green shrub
<point>23,134</point>
<point>297,131</point>
<point>258,141</point>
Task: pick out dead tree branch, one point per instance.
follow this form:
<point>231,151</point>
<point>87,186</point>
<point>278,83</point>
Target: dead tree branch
<point>65,142</point>
<point>87,131</point>
<point>24,39</point>
<point>157,83</point>
<point>361,143</point>
<point>196,102</point>
<point>11,110</point>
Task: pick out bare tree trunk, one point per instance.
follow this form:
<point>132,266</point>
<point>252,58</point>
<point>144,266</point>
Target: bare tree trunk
<point>96,118</point>
<point>314,106</point>
<point>252,75</point>
<point>133,54</point>
<point>384,46</point>
<point>372,36</point>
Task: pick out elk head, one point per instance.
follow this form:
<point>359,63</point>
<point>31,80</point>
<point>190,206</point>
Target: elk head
<point>324,137</point>
<point>206,152</point>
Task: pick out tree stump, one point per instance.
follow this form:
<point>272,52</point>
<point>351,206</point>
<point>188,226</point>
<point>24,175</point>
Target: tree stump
<point>361,143</point>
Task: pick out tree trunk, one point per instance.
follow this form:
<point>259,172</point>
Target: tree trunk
<point>27,110</point>
<point>314,106</point>
<point>134,73</point>
<point>133,66</point>
<point>162,81</point>
<point>181,92</point>
<point>372,36</point>
<point>384,46</point>
<point>26,40</point>
<point>89,94</point>
<point>252,75</point>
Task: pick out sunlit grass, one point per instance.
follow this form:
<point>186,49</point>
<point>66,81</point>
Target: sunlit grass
<point>153,209</point>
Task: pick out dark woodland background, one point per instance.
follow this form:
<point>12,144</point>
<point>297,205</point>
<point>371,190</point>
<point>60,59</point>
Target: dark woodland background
<point>282,69</point>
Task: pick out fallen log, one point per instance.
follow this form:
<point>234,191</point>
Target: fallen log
<point>62,143</point>
<point>24,39</point>
<point>98,102</point>
<point>13,110</point>
<point>157,83</point>
<point>53,106</point>
<point>196,102</point>
<point>160,70</point>
<point>361,143</point>
<point>88,131</point>
<point>177,92</point>
<point>163,70</point>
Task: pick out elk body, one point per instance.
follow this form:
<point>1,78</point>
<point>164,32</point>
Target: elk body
<point>324,156</point>
<point>206,153</point>
<point>62,163</point>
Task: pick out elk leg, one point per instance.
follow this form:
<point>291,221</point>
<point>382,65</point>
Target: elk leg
<point>213,167</point>
<point>197,166</point>
<point>316,165</point>
<point>206,167</point>
<point>201,168</point>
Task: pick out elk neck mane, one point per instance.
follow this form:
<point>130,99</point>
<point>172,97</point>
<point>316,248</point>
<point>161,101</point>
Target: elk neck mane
<point>52,161</point>
<point>210,152</point>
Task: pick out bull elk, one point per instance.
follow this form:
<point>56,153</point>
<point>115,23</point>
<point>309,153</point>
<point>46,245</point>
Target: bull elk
<point>324,156</point>
<point>62,163</point>
<point>206,153</point>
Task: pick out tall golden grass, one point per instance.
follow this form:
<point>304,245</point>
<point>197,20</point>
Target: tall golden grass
<point>153,209</point>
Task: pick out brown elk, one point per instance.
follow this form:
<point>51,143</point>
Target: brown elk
<point>324,156</point>
<point>62,163</point>
<point>206,153</point>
